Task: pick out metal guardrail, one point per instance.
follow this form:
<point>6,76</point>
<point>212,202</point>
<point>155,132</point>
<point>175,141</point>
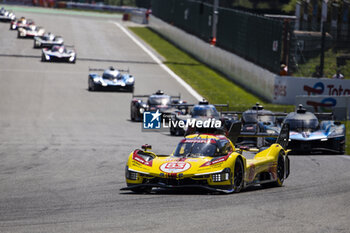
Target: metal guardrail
<point>88,6</point>
<point>17,2</point>
<point>255,38</point>
<point>137,15</point>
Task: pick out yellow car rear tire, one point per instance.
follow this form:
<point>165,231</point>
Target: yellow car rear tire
<point>238,176</point>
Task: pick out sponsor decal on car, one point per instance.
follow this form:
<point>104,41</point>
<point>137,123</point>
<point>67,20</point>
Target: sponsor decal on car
<point>215,161</point>
<point>175,167</point>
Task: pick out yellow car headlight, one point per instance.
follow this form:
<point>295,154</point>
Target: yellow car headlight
<point>222,176</point>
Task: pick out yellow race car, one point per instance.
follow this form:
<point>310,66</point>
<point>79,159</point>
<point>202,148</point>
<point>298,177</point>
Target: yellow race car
<point>210,162</point>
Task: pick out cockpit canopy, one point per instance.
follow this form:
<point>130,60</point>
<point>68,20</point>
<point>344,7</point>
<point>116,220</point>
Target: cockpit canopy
<point>253,116</point>
<point>60,49</point>
<point>111,74</point>
<point>30,27</point>
<point>302,121</point>
<point>49,36</point>
<point>199,146</point>
<point>204,111</point>
<point>162,100</point>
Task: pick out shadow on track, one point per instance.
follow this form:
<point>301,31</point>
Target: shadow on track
<point>115,61</point>
<point>82,59</point>
<point>161,191</point>
<point>102,60</point>
<point>20,55</point>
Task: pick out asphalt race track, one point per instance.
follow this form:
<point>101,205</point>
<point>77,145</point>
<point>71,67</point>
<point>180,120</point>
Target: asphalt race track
<point>63,150</point>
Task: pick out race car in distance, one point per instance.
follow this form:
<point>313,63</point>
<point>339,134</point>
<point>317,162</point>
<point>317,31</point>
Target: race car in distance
<point>202,111</point>
<point>209,162</point>
<point>47,40</point>
<point>58,53</point>
<point>111,79</point>
<point>22,22</point>
<point>258,119</point>
<point>30,31</point>
<point>6,15</point>
<point>309,135</point>
<point>157,101</point>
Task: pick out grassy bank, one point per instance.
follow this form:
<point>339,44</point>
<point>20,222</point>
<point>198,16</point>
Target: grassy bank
<point>212,85</point>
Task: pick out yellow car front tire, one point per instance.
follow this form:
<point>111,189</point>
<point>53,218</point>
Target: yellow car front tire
<point>238,176</point>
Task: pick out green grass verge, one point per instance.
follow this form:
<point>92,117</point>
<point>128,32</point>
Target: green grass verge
<point>209,83</point>
<point>212,85</point>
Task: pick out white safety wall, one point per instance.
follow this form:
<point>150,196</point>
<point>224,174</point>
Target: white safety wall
<point>254,78</point>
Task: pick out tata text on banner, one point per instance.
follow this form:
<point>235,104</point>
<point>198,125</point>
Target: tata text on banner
<point>338,105</point>
<point>287,88</point>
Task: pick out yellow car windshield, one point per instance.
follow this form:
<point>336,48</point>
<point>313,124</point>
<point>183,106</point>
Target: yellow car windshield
<point>196,148</point>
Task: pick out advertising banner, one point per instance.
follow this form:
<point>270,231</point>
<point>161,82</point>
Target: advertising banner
<point>287,88</point>
<point>44,3</point>
<point>339,105</point>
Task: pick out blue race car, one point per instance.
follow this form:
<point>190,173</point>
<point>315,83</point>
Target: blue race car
<point>111,79</point>
<point>309,135</point>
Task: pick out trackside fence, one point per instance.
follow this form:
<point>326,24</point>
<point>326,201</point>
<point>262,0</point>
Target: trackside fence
<point>253,37</point>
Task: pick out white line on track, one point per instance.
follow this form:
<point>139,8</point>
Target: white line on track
<point>159,62</point>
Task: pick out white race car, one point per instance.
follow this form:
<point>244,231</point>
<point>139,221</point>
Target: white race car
<point>30,31</point>
<point>58,54</point>
<point>111,79</point>
<point>21,22</point>
<point>6,15</point>
<point>47,40</point>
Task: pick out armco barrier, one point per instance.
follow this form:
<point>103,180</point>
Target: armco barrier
<point>254,78</point>
<point>253,37</point>
<point>88,6</point>
<point>17,2</point>
<point>137,15</point>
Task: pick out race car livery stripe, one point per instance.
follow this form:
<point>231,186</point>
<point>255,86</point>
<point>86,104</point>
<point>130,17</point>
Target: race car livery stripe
<point>139,159</point>
<point>133,170</point>
<point>215,161</point>
<point>208,173</point>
